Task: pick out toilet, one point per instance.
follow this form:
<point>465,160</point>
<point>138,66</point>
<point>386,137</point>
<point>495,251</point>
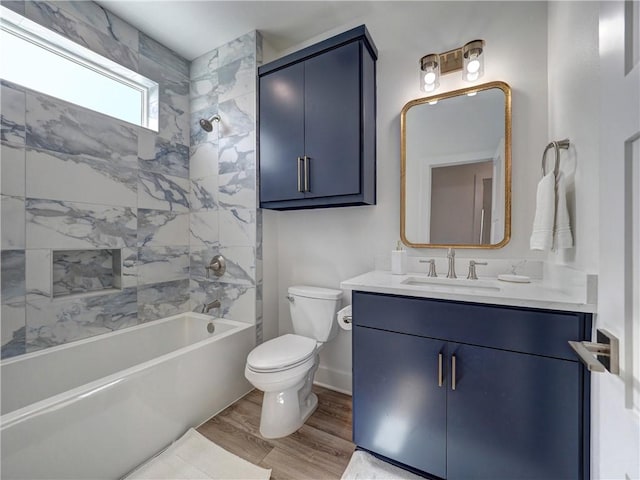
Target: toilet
<point>283,368</point>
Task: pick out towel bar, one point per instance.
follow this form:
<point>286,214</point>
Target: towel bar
<point>556,145</point>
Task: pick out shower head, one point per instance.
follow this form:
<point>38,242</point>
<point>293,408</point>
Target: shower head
<point>206,124</point>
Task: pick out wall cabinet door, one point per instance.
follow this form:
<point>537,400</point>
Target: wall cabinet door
<point>512,415</point>
<point>332,121</point>
<point>399,408</point>
<point>281,133</point>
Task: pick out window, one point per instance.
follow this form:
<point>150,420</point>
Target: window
<point>42,60</point>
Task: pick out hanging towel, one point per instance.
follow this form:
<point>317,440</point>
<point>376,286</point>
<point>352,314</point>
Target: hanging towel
<point>562,237</point>
<point>542,235</point>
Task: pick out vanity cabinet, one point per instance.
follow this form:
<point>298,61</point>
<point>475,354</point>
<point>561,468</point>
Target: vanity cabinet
<point>316,131</point>
<point>470,391</point>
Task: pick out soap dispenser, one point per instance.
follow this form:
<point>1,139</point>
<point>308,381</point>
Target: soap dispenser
<point>399,260</point>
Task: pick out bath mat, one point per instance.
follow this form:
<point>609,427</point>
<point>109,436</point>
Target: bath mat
<point>194,456</point>
<point>364,466</point>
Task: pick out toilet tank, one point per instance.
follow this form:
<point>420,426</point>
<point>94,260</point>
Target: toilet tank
<point>313,311</point>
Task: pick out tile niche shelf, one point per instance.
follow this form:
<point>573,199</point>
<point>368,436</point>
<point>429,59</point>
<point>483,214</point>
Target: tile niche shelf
<point>81,272</point>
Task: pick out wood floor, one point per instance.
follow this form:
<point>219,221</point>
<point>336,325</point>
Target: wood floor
<point>321,449</point>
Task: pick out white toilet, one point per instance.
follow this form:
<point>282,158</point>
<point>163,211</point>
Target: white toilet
<point>283,368</point>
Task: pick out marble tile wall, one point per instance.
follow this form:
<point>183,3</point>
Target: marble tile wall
<point>76,180</point>
<point>224,218</point>
<point>166,202</point>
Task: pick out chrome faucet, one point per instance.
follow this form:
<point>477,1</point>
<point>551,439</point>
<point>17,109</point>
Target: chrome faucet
<point>472,269</point>
<point>451,257</point>
<point>208,306</point>
<point>432,267</point>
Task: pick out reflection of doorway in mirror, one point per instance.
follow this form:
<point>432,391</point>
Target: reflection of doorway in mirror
<point>497,212</point>
<point>461,203</point>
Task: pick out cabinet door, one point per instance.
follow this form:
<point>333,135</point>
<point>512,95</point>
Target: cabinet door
<point>281,133</point>
<point>399,411</point>
<point>513,416</point>
<point>333,121</point>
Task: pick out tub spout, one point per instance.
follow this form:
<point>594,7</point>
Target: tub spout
<point>208,306</point>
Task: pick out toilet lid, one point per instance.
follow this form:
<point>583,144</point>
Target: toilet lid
<point>280,353</point>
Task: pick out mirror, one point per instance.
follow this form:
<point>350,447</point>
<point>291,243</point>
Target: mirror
<point>456,169</point>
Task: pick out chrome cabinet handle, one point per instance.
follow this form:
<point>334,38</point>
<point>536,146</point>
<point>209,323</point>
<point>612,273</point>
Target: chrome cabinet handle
<point>440,379</point>
<point>453,372</point>
<point>300,175</point>
<point>306,174</point>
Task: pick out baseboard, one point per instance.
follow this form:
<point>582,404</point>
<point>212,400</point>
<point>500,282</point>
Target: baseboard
<point>333,380</point>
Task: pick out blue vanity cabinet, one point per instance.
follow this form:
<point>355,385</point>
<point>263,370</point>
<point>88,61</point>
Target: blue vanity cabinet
<point>467,391</point>
<point>513,415</point>
<point>316,131</point>
<point>399,401</point>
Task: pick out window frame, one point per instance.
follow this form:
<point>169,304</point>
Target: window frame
<point>30,31</point>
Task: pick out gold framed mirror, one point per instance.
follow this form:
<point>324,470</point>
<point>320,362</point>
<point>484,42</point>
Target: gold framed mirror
<point>456,169</point>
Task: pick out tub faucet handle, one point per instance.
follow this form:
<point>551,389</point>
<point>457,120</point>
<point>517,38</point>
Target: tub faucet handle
<point>472,269</point>
<point>217,265</point>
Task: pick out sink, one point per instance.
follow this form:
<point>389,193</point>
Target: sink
<point>451,284</point>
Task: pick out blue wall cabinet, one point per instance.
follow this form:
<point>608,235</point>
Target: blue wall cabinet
<point>506,401</point>
<point>316,132</point>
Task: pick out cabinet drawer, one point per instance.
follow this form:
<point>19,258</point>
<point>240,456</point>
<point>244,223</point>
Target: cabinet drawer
<point>539,332</point>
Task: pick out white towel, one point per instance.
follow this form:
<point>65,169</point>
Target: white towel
<point>562,237</point>
<point>542,235</point>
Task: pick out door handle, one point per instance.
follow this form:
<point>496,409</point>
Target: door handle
<point>601,355</point>
<point>453,372</point>
<point>300,175</point>
<point>440,379</point>
<point>306,174</point>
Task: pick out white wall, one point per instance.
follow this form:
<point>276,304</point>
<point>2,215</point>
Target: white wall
<point>323,247</point>
<point>574,85</point>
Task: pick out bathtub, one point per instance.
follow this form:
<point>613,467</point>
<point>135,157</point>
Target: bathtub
<point>98,407</point>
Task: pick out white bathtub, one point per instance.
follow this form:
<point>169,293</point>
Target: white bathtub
<point>98,407</point>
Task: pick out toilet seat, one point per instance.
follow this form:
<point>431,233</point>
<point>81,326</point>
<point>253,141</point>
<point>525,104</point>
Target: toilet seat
<point>281,353</point>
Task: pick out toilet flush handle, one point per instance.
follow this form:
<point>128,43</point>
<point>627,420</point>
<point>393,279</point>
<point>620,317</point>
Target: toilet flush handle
<point>290,298</point>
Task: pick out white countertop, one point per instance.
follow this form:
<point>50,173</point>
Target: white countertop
<point>551,295</point>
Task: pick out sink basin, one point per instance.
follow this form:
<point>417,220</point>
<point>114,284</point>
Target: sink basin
<point>451,284</point>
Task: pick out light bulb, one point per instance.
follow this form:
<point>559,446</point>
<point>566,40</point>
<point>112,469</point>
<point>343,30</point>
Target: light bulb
<point>433,102</point>
<point>473,66</point>
<point>473,60</point>
<point>472,76</point>
<point>429,78</point>
<point>429,72</point>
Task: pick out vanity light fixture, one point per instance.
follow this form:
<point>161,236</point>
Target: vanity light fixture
<point>469,59</point>
<point>430,72</point>
<point>473,59</point>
